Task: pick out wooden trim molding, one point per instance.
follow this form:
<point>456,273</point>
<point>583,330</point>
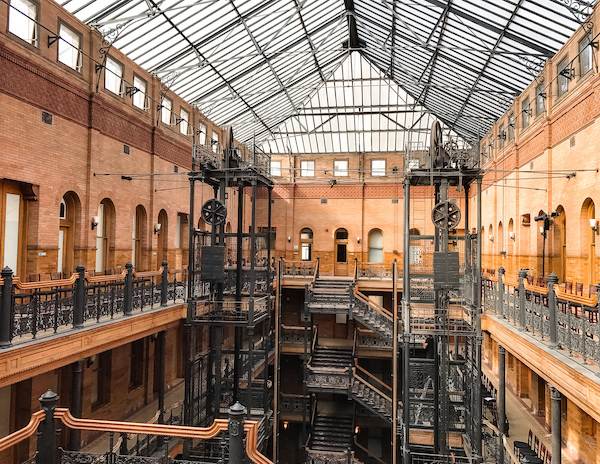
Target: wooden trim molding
<point>22,434</point>
<point>30,359</point>
<point>573,380</point>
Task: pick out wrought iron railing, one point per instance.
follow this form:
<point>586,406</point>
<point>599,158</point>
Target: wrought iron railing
<point>247,311</point>
<point>30,310</point>
<point>299,268</point>
<point>566,321</point>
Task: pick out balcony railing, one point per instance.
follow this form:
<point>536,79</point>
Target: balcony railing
<point>30,310</point>
<point>248,311</point>
<point>566,321</point>
<point>44,424</point>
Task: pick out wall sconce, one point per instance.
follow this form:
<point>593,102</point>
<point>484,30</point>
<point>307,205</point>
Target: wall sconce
<point>356,430</point>
<point>289,239</point>
<point>594,224</point>
<point>512,235</point>
<point>357,239</point>
<point>285,425</point>
<point>541,229</point>
<point>157,228</point>
<point>491,238</point>
<point>95,222</point>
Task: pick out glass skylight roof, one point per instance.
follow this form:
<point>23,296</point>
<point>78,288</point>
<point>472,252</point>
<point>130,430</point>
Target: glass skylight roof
<point>282,74</point>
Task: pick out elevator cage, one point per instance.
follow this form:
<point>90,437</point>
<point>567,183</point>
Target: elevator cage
<point>441,392</point>
<point>229,346</point>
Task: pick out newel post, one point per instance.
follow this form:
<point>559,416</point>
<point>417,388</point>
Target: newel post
<point>500,295</point>
<point>79,298</point>
<point>552,308</point>
<point>128,294</point>
<point>6,307</point>
<point>164,283</point>
<point>522,298</point>
<point>236,433</point>
<point>47,430</point>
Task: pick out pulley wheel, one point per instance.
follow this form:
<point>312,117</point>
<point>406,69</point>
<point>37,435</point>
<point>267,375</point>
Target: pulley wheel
<point>446,215</point>
<point>214,212</point>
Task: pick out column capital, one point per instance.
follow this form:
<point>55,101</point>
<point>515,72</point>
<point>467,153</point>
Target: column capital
<point>555,393</point>
<point>501,350</point>
<point>501,270</point>
<point>552,279</point>
<point>523,273</point>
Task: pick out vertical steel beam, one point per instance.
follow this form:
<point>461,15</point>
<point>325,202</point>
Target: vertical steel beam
<point>395,362</point>
<point>477,432</point>
<point>76,403</point>
<point>501,401</point>
<point>406,324</point>
<point>556,425</point>
<point>237,362</point>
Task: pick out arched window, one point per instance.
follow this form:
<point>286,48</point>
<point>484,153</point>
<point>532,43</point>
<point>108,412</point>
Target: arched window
<point>68,232</point>
<point>588,229</point>
<point>162,232</point>
<point>501,249</point>
<point>376,246</point>
<point>559,244</point>
<point>511,237</point>
<point>105,236</point>
<point>341,234</point>
<point>306,241</point>
<point>138,238</point>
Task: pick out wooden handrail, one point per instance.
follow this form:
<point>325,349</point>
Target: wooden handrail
<point>371,376</point>
<point>590,302</point>
<point>535,288</point>
<point>372,387</point>
<point>24,433</point>
<point>45,283</point>
<point>143,274</point>
<point>379,309</point>
<point>106,278</point>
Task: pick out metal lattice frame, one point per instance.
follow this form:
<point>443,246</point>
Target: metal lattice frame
<point>255,64</point>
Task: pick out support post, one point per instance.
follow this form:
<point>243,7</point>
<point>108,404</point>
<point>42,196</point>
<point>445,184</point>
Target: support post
<point>477,409</point>
<point>395,362</point>
<point>6,308</point>
<point>79,298</point>
<point>406,457</point>
<point>556,425</point>
<point>500,295</point>
<point>522,298</point>
<point>552,308</point>
<point>128,295</point>
<point>236,433</point>
<point>164,284</point>
<point>501,401</point>
<point>46,443</point>
<point>76,402</point>
<point>160,379</point>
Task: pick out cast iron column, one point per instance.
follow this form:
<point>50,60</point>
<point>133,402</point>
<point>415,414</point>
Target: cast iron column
<point>406,321</point>
<point>46,443</point>
<point>76,405</point>
<point>236,433</point>
<point>552,308</point>
<point>501,401</point>
<point>556,425</point>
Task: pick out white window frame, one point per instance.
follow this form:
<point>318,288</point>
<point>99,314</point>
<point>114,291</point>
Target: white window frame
<point>525,113</point>
<point>586,55</point>
<point>275,168</point>
<point>378,171</point>
<point>184,117</point>
<point>307,168</point>
<point>113,76</point>
<point>338,170</point>
<point>69,47</point>
<point>214,142</point>
<point>21,23</point>
<point>166,111</point>
<point>562,82</point>
<point>139,97</point>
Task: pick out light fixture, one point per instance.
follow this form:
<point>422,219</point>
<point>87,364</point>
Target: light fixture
<point>512,235</point>
<point>356,430</point>
<point>157,228</point>
<point>289,239</point>
<point>594,224</point>
<point>357,239</point>
<point>285,425</point>
<point>541,229</point>
<point>491,238</point>
<point>95,222</point>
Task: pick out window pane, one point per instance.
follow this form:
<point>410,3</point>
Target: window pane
<point>11,231</point>
<point>378,167</point>
<point>202,134</point>
<point>113,74</point>
<point>21,20</point>
<point>275,168</point>
<point>562,79</point>
<point>307,168</point>
<point>525,113</point>
<point>340,168</point>
<point>539,100</point>
<point>165,113</point>
<point>68,48</point>
<point>183,125</point>
<point>139,98</point>
<point>215,142</point>
<point>585,55</point>
<point>306,252</point>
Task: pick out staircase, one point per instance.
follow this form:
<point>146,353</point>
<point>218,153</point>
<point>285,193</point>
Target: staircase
<point>326,357</point>
<point>371,393</point>
<point>332,434</point>
<point>372,316</point>
<point>328,369</point>
<point>329,295</point>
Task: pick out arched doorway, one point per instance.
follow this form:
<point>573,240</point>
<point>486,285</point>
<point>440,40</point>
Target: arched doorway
<point>541,262</point>
<point>376,246</point>
<point>559,245</point>
<point>510,245</point>
<point>341,252</point>
<point>588,229</point>
<point>306,242</point>
<point>163,236</point>
<point>138,238</point>
<point>105,236</point>
<point>68,233</point>
<point>501,246</point>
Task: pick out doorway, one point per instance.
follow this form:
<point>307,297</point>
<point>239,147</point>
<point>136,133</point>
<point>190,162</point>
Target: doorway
<point>341,253</point>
